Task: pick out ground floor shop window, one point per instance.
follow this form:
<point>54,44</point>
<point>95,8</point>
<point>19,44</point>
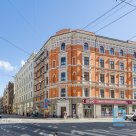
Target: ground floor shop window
<point>121,109</point>
<point>106,110</point>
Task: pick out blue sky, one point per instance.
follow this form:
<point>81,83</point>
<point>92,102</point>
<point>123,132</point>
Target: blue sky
<point>29,23</point>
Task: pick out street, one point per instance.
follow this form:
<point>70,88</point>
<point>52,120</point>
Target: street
<point>37,127</point>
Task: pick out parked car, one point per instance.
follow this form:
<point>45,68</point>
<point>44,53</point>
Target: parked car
<point>129,117</point>
<point>0,116</point>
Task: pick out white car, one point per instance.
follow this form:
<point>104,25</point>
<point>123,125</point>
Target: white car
<point>129,117</point>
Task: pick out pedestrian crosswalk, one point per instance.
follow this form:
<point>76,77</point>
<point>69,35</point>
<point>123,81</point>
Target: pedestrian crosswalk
<point>51,130</point>
<point>101,132</point>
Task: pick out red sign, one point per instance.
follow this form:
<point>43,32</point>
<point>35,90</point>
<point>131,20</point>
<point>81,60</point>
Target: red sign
<point>93,101</point>
<point>110,102</point>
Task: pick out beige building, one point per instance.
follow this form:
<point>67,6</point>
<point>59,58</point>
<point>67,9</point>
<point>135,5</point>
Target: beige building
<point>5,100</point>
<point>23,97</point>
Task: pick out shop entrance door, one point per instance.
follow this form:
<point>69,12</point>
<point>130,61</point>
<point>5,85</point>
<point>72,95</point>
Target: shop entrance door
<point>88,113</point>
<point>62,111</point>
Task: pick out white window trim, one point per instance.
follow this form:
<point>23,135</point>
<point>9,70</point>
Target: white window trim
<point>114,78</point>
<point>110,65</point>
<point>133,80</point>
<point>124,80</point>
<point>84,91</point>
<point>84,46</point>
<point>104,78</point>
<point>110,51</point>
<point>100,92</point>
<point>114,93</point>
<point>62,55</point>
<point>60,92</point>
<point>60,76</point>
<point>100,50</point>
<point>123,53</point>
<point>120,94</point>
<point>99,62</point>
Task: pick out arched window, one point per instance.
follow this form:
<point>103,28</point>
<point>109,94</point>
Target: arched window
<point>121,53</point>
<point>86,47</point>
<point>111,51</point>
<point>63,46</point>
<point>101,49</point>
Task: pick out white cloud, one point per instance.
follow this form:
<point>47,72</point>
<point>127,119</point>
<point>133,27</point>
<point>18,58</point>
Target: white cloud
<point>6,66</point>
<point>22,62</point>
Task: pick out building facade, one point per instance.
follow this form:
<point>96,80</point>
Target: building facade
<point>11,97</point>
<point>89,75</point>
<point>24,80</point>
<point>41,76</point>
<point>1,105</point>
<point>5,100</point>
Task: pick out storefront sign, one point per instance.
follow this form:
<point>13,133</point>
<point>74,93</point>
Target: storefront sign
<point>93,101</point>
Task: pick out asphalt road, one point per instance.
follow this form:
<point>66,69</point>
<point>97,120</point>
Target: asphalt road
<point>68,129</point>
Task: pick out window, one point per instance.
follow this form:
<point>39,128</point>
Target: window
<point>63,92</point>
<point>101,63</point>
<point>102,49</point>
<point>102,93</point>
<point>134,81</point>
<point>121,66</point>
<point>111,51</point>
<point>112,93</point>
<point>63,46</point>
<point>86,47</point>
<point>122,94</point>
<point>112,79</point>
<point>134,55</point>
<point>134,95</point>
<point>46,66</point>
<point>46,80</point>
<point>86,92</point>
<point>86,60</point>
<point>102,78</point>
<point>63,61</point>
<point>121,53</point>
<point>112,64</point>
<point>47,53</point>
<point>86,76</point>
<point>134,67</point>
<point>74,61</point>
<point>54,64</point>
<point>121,79</point>
<point>63,76</point>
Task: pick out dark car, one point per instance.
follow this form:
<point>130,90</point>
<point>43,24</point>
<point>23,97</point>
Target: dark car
<point>0,116</point>
<point>134,118</point>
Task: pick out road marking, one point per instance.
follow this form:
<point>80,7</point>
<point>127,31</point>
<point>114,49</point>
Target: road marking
<point>114,133</point>
<point>67,134</point>
<point>24,135</point>
<point>85,133</point>
<point>35,131</point>
<point>43,134</point>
